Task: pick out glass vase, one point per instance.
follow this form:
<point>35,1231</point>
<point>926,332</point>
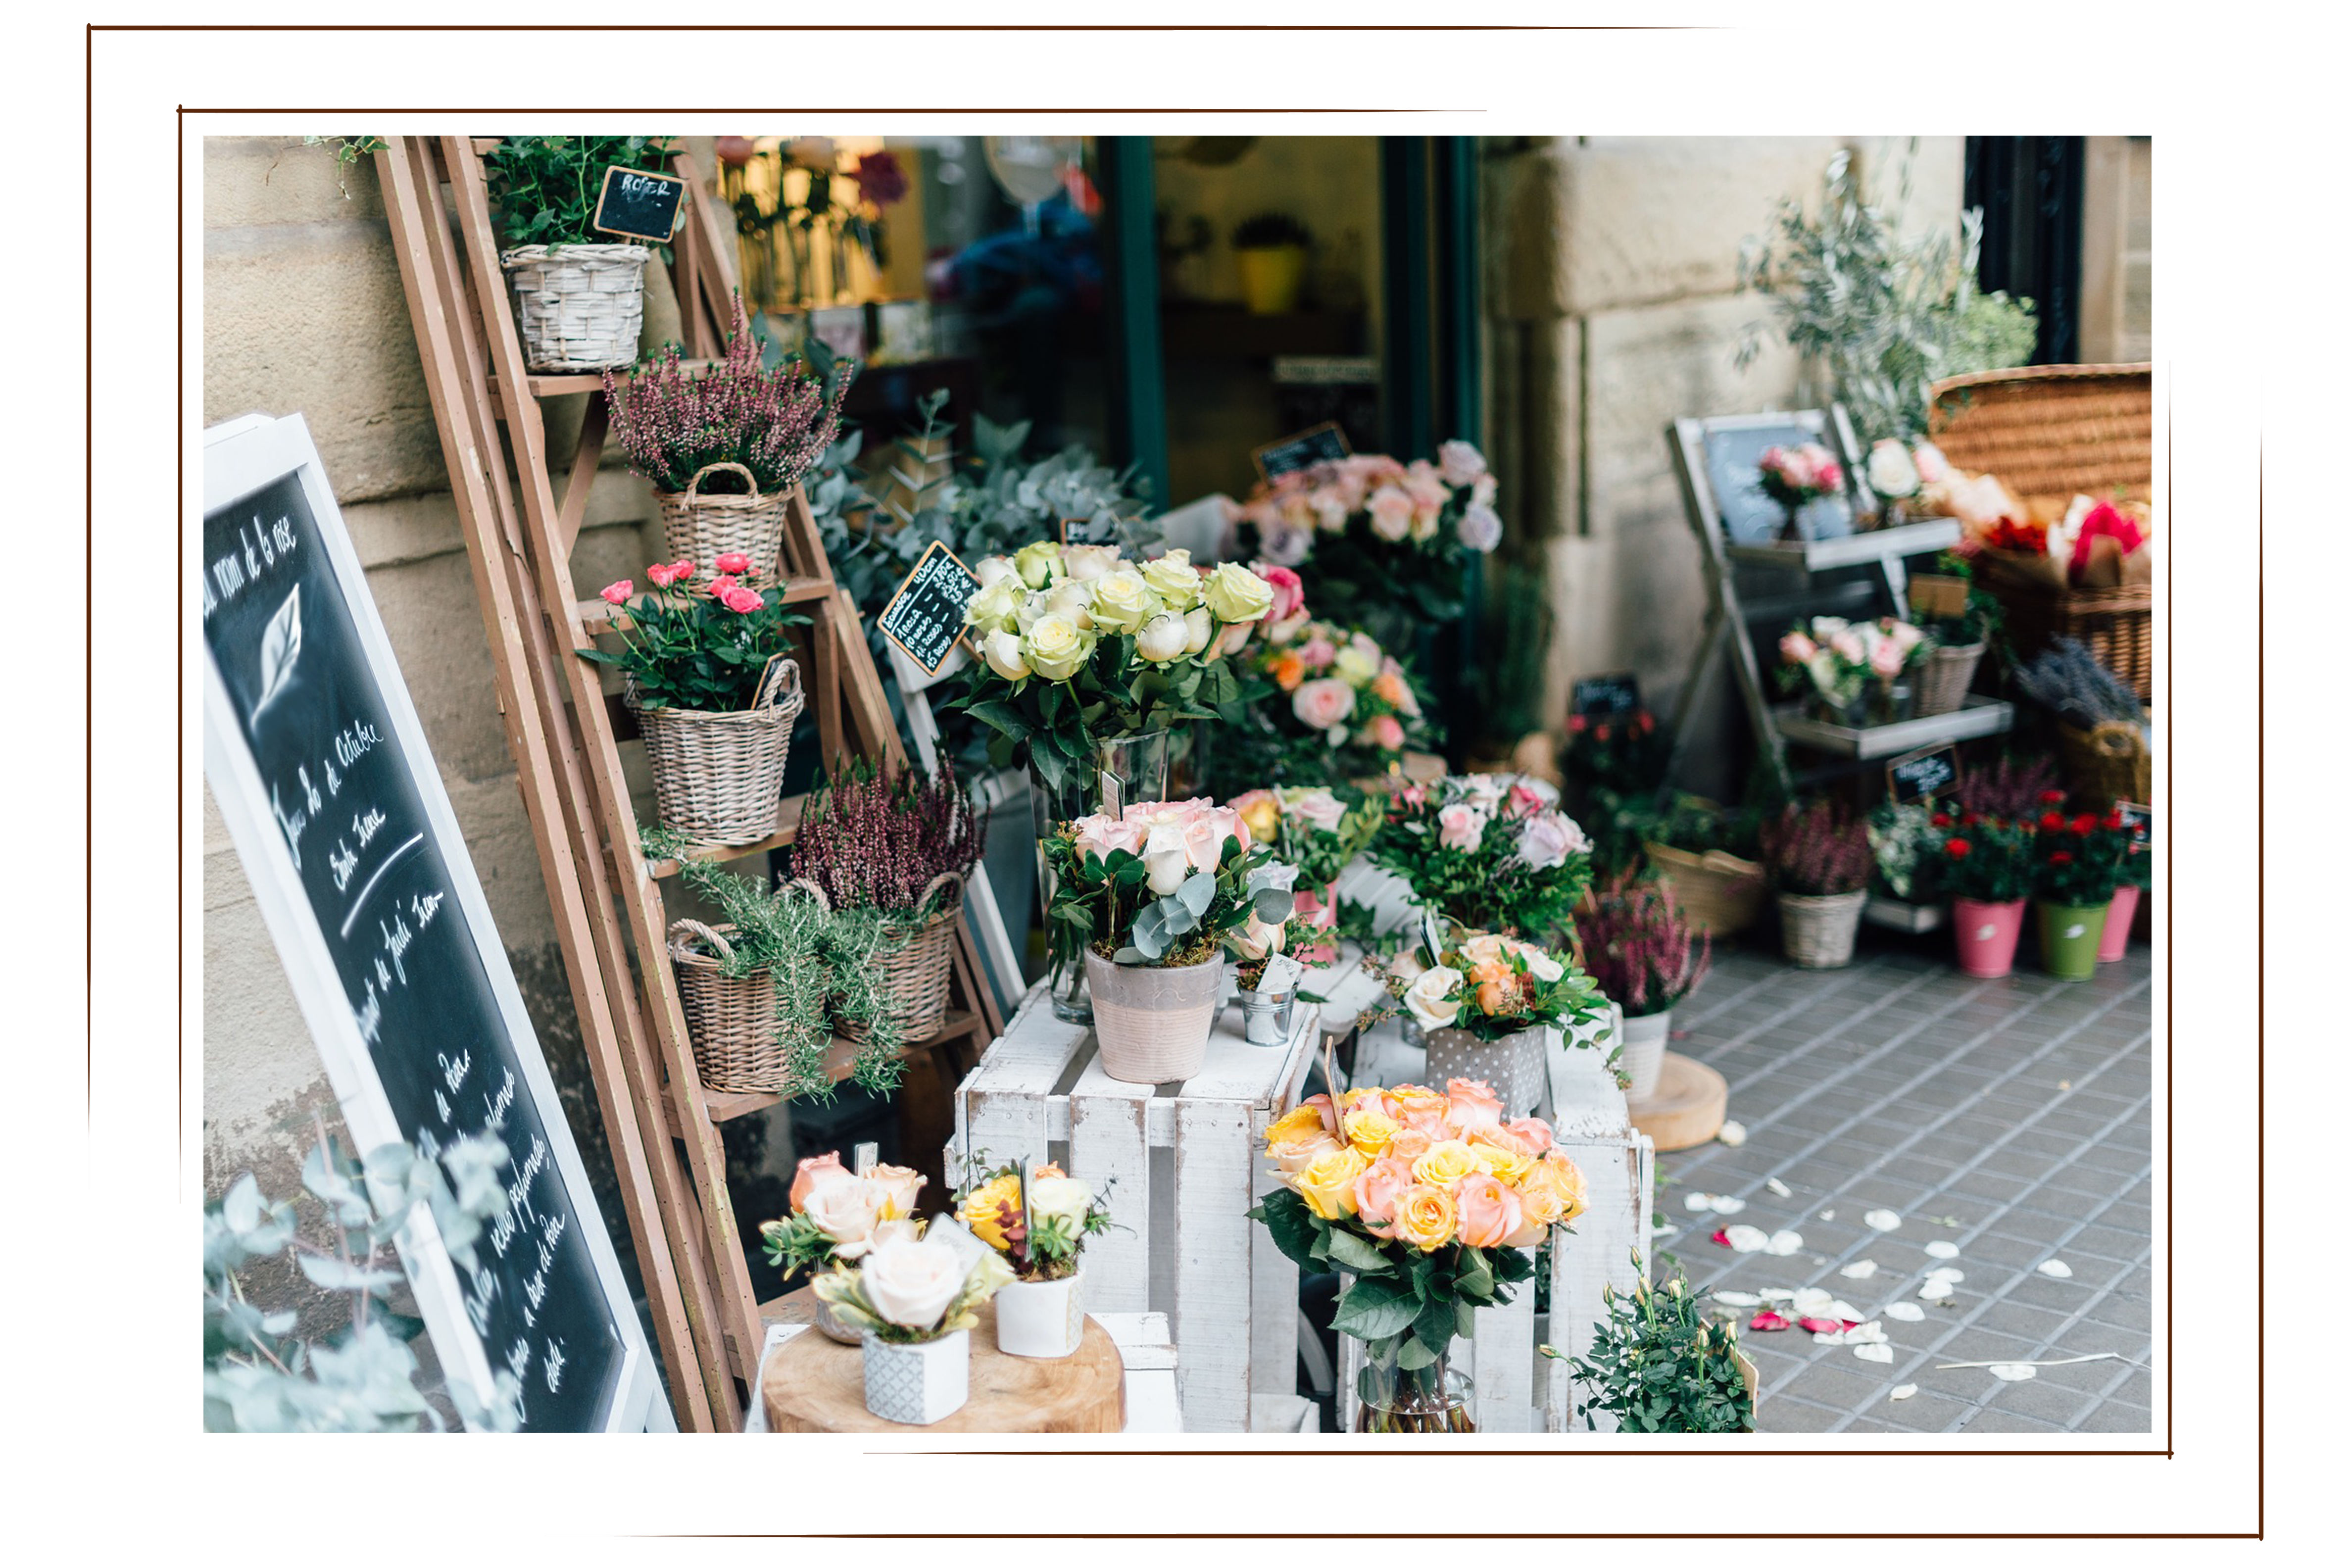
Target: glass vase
<point>1122,772</point>
<point>1390,1398</point>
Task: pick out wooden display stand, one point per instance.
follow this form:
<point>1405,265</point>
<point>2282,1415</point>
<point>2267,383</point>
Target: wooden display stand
<point>814,1384</point>
<point>1689,1108</point>
<point>564,732</point>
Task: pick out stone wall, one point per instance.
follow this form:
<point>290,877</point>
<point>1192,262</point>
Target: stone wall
<point>1613,310</point>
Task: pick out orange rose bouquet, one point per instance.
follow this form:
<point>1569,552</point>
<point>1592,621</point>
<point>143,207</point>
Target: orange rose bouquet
<point>1424,1203</point>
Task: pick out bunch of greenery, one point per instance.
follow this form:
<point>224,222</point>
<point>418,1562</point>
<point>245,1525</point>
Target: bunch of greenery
<point>543,189</point>
<point>1658,1367</point>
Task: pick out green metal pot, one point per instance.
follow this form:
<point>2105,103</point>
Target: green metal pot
<point>2070,938</point>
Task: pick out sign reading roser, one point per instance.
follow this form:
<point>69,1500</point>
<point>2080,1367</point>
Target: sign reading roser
<point>637,205</point>
<point>313,751</point>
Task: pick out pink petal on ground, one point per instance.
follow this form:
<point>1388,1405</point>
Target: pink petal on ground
<point>1720,1237</point>
<point>1821,1325</point>
<point>1767,1322</point>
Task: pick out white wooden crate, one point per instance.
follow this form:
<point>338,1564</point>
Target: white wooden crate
<point>1185,1167</point>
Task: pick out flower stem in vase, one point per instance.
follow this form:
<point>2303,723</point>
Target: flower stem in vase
<point>1791,530</point>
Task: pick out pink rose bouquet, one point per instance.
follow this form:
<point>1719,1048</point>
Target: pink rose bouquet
<point>1160,884</point>
<point>1792,476</point>
<point>701,639</point>
<point>1490,850</point>
<point>1839,658</point>
<point>1323,705</point>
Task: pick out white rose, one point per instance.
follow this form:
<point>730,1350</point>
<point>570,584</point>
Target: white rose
<point>1356,666</point>
<point>993,570</point>
<point>1085,563</point>
<point>1123,601</point>
<point>1073,602</point>
<point>898,1185</point>
<point>845,1208</point>
<point>1199,628</point>
<point>1235,593</point>
<point>1164,636</point>
<point>912,1283</point>
<point>994,606</point>
<point>1892,472</point>
<point>1460,462</point>
<point>1002,651</point>
<point>1172,578</point>
<point>1033,609</point>
<point>1054,647</point>
<point>1540,965</point>
<point>1430,999</point>
<point>1061,1197</point>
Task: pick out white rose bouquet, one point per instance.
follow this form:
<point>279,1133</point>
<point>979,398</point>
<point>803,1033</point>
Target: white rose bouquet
<point>909,1291</point>
<point>840,1216</point>
<point>1040,1226</point>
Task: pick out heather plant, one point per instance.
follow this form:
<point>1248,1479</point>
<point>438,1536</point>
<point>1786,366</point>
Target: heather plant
<point>1637,946</point>
<point>1818,850</point>
<point>2011,789</point>
<point>776,422</point>
<point>876,840</point>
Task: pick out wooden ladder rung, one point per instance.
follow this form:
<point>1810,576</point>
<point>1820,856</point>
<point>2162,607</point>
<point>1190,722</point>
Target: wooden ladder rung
<point>788,825</point>
<point>838,1061</point>
<point>557,384</point>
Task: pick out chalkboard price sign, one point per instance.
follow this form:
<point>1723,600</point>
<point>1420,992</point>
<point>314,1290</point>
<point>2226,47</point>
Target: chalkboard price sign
<point>1605,696</point>
<point>925,618</point>
<point>1326,443</point>
<point>1089,530</point>
<point>1923,775</point>
<point>315,756</point>
<point>637,205</point>
<point>2139,821</point>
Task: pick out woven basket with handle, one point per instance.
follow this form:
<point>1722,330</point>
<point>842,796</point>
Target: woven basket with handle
<point>731,1019</point>
<point>718,776</point>
<point>2105,763</point>
<point>2051,433</point>
<point>911,968</point>
<point>577,307</point>
<point>1942,683</point>
<point>1718,892</point>
<point>701,529</point>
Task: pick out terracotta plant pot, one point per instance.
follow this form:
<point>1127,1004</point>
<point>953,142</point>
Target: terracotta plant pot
<point>1152,1025</point>
<point>2070,938</point>
<point>1042,1319</point>
<point>1985,936</point>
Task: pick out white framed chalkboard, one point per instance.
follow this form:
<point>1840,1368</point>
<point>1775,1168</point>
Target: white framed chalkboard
<point>322,774</point>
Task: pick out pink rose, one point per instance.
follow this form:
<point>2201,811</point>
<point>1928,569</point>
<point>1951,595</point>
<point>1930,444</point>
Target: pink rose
<point>1470,1103</point>
<point>1205,836</point>
<point>1391,511</point>
<point>1321,705</point>
<point>733,562</point>
<point>1412,797</point>
<point>1797,647</point>
<point>1318,653</point>
<point>1481,493</point>
<point>1526,800</point>
<point>1847,645</point>
<point>1376,1190</point>
<point>1100,836</point>
<point>1283,542</point>
<point>1461,826</point>
<point>1289,593</point>
<point>1549,839</point>
<point>618,593</point>
<point>1460,463</point>
<point>812,1171</point>
<point>1319,807</point>
<point>1486,1211</point>
<point>1533,1131</point>
<point>1427,490</point>
<point>1886,659</point>
<point>741,600</point>
<point>1415,1140</point>
<point>1330,509</point>
<point>1383,732</point>
<point>1933,465</point>
<point>1481,528</point>
<point>662,576</point>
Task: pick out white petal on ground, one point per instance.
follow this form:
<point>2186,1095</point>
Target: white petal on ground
<point>1942,1249</point>
<point>1845,1311</point>
<point>1902,1391</point>
<point>1745,1238</point>
<point>1739,1298</point>
<point>1873,1332</point>
<point>1828,1213</point>
<point>1935,1290</point>
<point>1783,1243</point>
<point>1811,1301</point>
<point>2056,1268</point>
<point>1835,1339</point>
<point>1883,1219</point>
<point>2012,1371</point>
<point>1729,1206</point>
<point>1859,1268</point>
<point>1877,1353</point>
<point>1948,1276</point>
<point>1777,1295</point>
<point>1779,1188</point>
<point>1699,1203</point>
<point>1905,1311</point>
<point>1731,1133</point>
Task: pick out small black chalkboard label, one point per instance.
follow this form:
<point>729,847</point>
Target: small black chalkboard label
<point>1089,530</point>
<point>638,204</point>
<point>1326,443</point>
<point>1604,696</point>
<point>2139,821</point>
<point>925,618</point>
<point>1923,775</point>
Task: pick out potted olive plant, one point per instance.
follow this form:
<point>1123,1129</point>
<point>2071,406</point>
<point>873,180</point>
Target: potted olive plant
<point>580,299</point>
<point>1637,948</point>
<point>1820,860</point>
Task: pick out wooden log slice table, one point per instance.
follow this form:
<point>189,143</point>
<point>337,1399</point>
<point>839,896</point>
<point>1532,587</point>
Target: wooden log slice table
<point>1689,1108</point>
<point>814,1384</point>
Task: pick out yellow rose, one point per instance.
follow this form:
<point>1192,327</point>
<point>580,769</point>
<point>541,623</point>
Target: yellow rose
<point>1263,812</point>
<point>1510,1166</point>
<point>1303,1122</point>
<point>1173,578</point>
<point>1298,1139</point>
<point>1424,1217</point>
<point>1235,593</point>
<point>1356,667</point>
<point>1123,601</point>
<point>1329,1182</point>
<point>1446,1162</point>
<point>982,1211</point>
<point>1054,647</point>
<point>1369,1131</point>
<point>1556,1175</point>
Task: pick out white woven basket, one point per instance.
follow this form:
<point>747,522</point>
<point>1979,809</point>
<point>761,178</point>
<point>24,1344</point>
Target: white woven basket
<point>577,307</point>
<point>1818,933</point>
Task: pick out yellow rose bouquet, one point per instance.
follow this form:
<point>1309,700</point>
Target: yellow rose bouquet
<point>1039,1224</point>
<point>1426,1204</point>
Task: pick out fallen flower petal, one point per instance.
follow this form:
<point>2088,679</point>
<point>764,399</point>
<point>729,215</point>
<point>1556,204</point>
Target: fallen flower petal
<point>1743,1238</point>
<point>1731,1133</point>
<point>1821,1325</point>
<point>1905,1311</point>
<point>2056,1268</point>
<point>1784,1242</point>
<point>1768,1323</point>
<point>1828,1213</point>
<point>1729,1206</point>
<point>1902,1391</point>
<point>1776,1295</point>
<point>1949,1276</point>
<point>1699,1203</point>
<point>1845,1310</point>
<point>1859,1268</point>
<point>1942,1249</point>
<point>2012,1371</point>
<point>1738,1298</point>
<point>1935,1290</point>
<point>1883,1219</point>
<point>1874,1351</point>
<point>1721,1238</point>
<point>1779,1188</point>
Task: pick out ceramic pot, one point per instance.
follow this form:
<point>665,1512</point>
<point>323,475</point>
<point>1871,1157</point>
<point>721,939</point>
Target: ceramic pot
<point>1512,1067</point>
<point>2120,914</point>
<point>1152,1025</point>
<point>1644,1053</point>
<point>918,1385</point>
<point>1818,933</point>
<point>1042,1319</point>
<point>1985,936</point>
<point>2070,938</point>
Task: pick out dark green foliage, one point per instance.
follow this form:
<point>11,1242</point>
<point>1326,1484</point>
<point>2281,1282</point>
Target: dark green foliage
<point>1658,1367</point>
<point>543,189</point>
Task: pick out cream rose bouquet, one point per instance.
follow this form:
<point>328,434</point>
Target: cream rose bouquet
<point>1489,850</point>
<point>1160,884</point>
<point>1839,658</point>
<point>1040,1226</point>
<point>1079,645</point>
<point>838,1216</point>
<point>1423,1202</point>
<point>907,1291</point>
<point>1493,987</point>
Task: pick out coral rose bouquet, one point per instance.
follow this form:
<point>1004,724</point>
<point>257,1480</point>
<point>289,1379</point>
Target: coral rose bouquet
<point>701,638</point>
<point>1337,707</point>
<point>1426,1204</point>
<point>1380,543</point>
<point>1079,645</point>
<point>1493,987</point>
<point>1489,850</point>
<point>838,1216</point>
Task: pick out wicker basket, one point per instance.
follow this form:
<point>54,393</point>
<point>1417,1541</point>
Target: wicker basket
<point>910,974</point>
<point>1818,933</point>
<point>731,1020</point>
<point>718,776</point>
<point>701,529</point>
<point>1942,683</point>
<point>2105,763</point>
<point>2051,433</point>
<point>1719,893</point>
<point>577,307</point>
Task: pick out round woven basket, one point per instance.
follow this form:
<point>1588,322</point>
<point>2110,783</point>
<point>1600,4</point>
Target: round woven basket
<point>1152,1025</point>
<point>1721,894</point>
<point>911,971</point>
<point>1942,683</point>
<point>1818,933</point>
<point>1512,1067</point>
<point>577,307</point>
<point>701,529</point>
<point>718,776</point>
<point>2106,763</point>
<point>730,1019</point>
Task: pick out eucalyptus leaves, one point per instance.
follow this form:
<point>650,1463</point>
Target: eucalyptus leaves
<point>1162,884</point>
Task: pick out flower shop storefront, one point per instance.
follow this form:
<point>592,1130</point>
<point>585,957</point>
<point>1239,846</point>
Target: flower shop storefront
<point>1059,907</point>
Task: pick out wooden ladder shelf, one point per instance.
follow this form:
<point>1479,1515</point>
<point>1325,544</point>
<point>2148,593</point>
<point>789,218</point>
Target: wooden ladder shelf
<point>565,733</point>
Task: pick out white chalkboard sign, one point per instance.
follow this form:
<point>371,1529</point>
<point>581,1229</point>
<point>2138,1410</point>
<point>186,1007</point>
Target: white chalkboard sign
<point>321,771</point>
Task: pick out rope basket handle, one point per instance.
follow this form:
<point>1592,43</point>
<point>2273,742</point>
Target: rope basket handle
<point>694,483</point>
<point>944,880</point>
<point>814,892</point>
<point>779,683</point>
<point>682,928</point>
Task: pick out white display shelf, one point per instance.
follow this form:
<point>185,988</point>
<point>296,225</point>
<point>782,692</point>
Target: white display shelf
<point>1977,716</point>
<point>1854,548</point>
<point>1894,914</point>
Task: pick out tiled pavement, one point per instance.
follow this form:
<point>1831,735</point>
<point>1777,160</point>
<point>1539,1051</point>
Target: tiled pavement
<point>2017,1109</point>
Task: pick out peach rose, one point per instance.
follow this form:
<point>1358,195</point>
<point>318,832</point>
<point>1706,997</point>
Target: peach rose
<point>812,1171</point>
<point>1411,1143</point>
<point>1384,733</point>
<point>897,1185</point>
<point>1461,826</point>
<point>1501,1154</point>
<point>1382,1181</point>
<point>1424,1217</point>
<point>1322,703</point>
<point>1486,1211</point>
<point>1471,1102</point>
<point>1329,1182</point>
<point>1532,1130</point>
<point>1557,1174</point>
<point>1448,1160</point>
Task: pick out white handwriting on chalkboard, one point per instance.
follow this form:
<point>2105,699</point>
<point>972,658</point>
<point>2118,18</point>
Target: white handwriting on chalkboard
<point>454,1073</point>
<point>425,906</point>
<point>479,1296</point>
<point>502,1230</point>
<point>518,1190</point>
<point>291,824</point>
<point>356,741</point>
<point>370,1015</point>
<point>342,862</point>
<point>554,1364</point>
<point>497,1103</point>
<point>638,185</point>
<point>396,938</point>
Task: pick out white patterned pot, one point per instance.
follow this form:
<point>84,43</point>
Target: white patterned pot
<point>1644,1052</point>
<point>1042,1319</point>
<point>918,1385</point>
<point>1512,1067</point>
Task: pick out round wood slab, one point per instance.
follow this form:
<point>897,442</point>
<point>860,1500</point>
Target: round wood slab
<point>816,1385</point>
<point>1689,1108</point>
